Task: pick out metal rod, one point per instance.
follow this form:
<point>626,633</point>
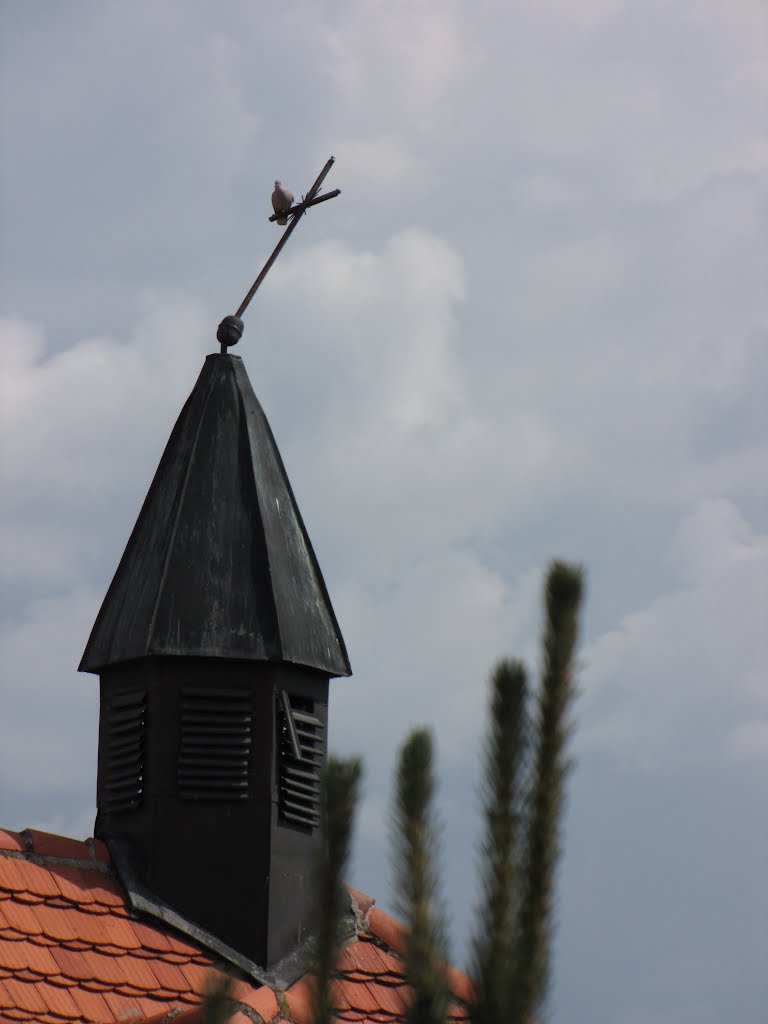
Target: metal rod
<point>305,205</point>
<point>276,252</point>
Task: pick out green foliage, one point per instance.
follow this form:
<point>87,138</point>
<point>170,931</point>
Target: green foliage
<point>341,781</point>
<point>504,764</point>
<point>541,849</point>
<point>417,884</point>
<point>217,1007</point>
<point>523,797</point>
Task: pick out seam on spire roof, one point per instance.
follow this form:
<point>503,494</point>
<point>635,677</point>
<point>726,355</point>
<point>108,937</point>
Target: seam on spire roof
<point>176,517</point>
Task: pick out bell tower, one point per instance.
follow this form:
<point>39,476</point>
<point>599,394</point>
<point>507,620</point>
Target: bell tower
<point>214,646</point>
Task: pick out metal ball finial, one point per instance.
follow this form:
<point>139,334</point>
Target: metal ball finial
<point>229,332</point>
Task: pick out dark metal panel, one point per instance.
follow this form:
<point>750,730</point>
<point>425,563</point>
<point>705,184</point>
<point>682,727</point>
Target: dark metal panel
<point>219,563</point>
<point>309,632</point>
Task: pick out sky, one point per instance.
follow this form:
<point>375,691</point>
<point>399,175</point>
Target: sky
<point>533,325</point>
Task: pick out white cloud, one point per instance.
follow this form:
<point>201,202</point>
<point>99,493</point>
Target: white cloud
<point>674,685</point>
<point>378,163</point>
<point>397,63</point>
<point>50,714</point>
<point>82,428</point>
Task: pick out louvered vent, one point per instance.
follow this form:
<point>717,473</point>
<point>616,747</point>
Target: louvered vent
<point>215,747</point>
<point>126,725</point>
<point>301,745</point>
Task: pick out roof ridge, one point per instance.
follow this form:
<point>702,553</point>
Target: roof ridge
<point>41,848</point>
<point>68,862</point>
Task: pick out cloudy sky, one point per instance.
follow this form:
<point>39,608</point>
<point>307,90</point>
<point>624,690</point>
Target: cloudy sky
<point>533,325</point>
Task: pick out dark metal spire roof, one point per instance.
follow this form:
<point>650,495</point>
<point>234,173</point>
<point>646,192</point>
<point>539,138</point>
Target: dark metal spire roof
<point>219,563</point>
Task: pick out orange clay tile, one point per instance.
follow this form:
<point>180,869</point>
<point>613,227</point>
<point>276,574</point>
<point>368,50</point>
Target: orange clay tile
<point>459,984</point>
<point>106,891</point>
<point>11,841</point>
<point>123,1008</point>
<point>58,1000</point>
<point>33,877</point>
<point>71,954</point>
<point>25,995</point>
<point>92,1005</point>
<point>240,1018</point>
<point>168,975</point>
<point>262,1000</point>
<point>151,938</point>
<point>21,917</point>
<point>364,956</point>
<point>386,928</point>
<point>299,997</point>
<point>12,875</point>
<point>387,997</point>
<point>75,885</point>
<point>47,845</point>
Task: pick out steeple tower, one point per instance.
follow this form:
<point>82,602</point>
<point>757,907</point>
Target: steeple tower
<point>214,647</point>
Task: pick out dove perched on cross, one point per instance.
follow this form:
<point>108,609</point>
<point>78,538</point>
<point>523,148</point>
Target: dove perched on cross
<point>282,201</point>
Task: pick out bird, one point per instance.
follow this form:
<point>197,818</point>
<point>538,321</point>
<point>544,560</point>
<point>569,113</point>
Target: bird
<point>282,201</point>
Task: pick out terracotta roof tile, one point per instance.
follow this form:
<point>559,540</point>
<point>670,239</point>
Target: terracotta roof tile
<point>25,995</point>
<point>23,875</point>
<point>168,975</point>
<point>386,928</point>
<point>12,878</point>
<point>58,1000</point>
<point>262,1000</point>
<point>74,883</point>
<point>92,1005</point>
<point>360,997</point>
<point>61,925</point>
<point>195,975</point>
<point>164,1017</point>
<point>20,917</point>
<point>123,1008</point>
<point>365,956</point>
<point>12,955</point>
<point>37,959</point>
<point>69,952</point>
<point>299,997</point>
<point>11,841</point>
<point>106,890</point>
<point>47,845</point>
<point>240,1018</point>
<point>151,938</point>
<point>459,984</point>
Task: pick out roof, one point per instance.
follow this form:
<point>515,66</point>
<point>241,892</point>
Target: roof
<point>71,952</point>
<point>219,563</point>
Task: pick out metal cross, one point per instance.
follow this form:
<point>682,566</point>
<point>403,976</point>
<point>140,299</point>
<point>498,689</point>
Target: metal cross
<point>231,327</point>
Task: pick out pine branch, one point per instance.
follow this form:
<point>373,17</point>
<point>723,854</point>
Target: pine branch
<point>504,759</point>
<point>338,802</point>
<point>416,882</point>
<point>216,1007</point>
<point>563,595</point>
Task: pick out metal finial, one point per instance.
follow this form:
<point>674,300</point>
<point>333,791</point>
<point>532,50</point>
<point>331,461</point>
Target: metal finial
<point>229,332</point>
<point>231,327</point>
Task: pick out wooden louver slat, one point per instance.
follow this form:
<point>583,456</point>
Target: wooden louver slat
<point>126,715</point>
<point>301,746</point>
<point>215,744</point>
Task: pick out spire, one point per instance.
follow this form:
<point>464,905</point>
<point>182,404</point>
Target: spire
<point>219,563</point>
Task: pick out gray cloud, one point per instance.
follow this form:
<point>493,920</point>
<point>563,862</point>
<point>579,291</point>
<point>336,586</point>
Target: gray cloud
<point>533,325</point>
